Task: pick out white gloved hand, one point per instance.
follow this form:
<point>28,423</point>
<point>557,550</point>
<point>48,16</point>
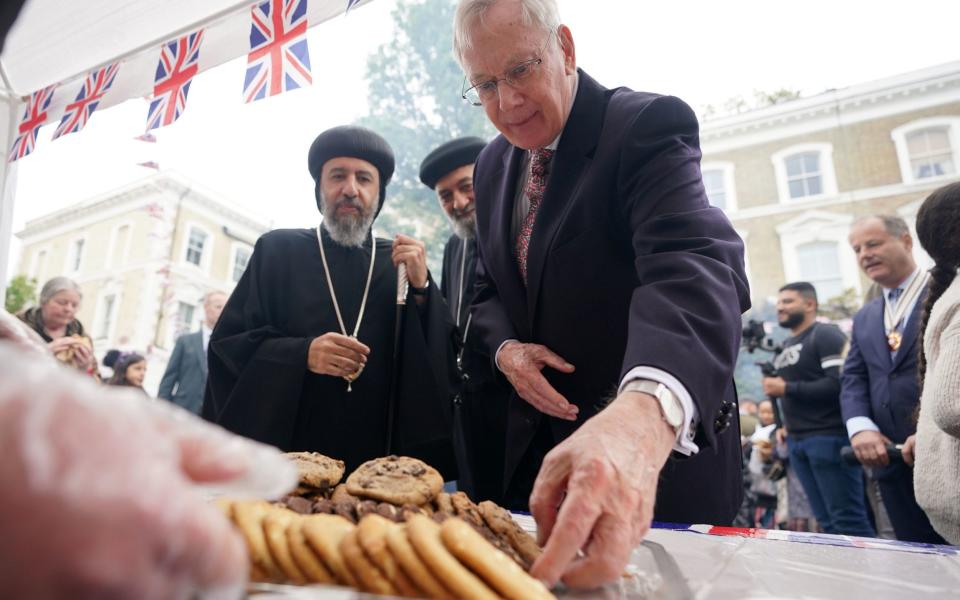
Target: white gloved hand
<point>106,494</point>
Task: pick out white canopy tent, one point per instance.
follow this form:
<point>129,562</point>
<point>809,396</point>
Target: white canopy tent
<point>56,42</point>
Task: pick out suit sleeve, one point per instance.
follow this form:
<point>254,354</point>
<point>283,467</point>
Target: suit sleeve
<point>855,383</point>
<point>172,375</point>
<point>489,315</point>
<point>685,314</point>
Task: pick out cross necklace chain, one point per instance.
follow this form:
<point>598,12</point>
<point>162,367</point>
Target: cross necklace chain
<point>350,378</point>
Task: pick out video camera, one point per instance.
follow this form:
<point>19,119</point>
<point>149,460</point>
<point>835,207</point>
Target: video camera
<point>755,338</point>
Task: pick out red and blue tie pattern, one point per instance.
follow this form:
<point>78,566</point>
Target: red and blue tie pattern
<point>536,185</point>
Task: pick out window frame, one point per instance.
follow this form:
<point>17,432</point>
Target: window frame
<point>207,255</point>
<point>828,175</point>
<point>900,134</point>
<point>729,183</point>
<point>72,258</point>
<point>819,226</point>
<point>235,248</point>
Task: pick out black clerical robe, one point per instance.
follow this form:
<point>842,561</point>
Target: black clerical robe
<point>259,385</point>
<point>480,394</point>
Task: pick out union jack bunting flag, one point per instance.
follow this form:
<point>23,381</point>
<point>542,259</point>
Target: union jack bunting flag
<point>178,64</point>
<point>79,111</point>
<point>278,61</point>
<point>34,115</point>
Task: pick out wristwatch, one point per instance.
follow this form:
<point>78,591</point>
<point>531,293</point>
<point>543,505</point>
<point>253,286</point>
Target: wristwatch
<point>670,405</point>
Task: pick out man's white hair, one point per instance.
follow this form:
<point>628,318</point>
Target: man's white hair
<point>541,14</point>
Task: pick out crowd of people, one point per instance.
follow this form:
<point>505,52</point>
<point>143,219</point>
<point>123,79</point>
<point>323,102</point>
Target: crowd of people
<point>576,359</point>
<point>847,411</point>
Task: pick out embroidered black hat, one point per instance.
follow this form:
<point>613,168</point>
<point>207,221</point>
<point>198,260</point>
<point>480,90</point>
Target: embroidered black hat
<point>449,156</point>
<point>355,142</point>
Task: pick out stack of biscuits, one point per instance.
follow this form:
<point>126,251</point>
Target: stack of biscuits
<point>389,529</point>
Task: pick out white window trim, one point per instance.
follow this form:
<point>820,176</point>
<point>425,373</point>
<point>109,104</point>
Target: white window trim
<point>34,261</point>
<point>207,257</point>
<point>71,256</point>
<point>729,184</point>
<point>908,213</point>
<point>828,174</point>
<point>899,136</point>
<point>109,290</point>
<point>188,293</point>
<point>112,250</point>
<point>235,247</point>
<point>819,226</point>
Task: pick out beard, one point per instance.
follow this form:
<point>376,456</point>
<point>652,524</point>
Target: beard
<point>464,225</point>
<point>791,320</point>
<point>348,230</point>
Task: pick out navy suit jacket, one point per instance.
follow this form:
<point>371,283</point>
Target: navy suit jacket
<point>628,265</point>
<point>184,380</point>
<point>875,386</point>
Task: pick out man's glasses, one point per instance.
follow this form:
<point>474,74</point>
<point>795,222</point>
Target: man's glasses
<point>516,77</point>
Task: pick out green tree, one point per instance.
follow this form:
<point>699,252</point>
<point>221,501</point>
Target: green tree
<point>20,292</point>
<point>840,307</point>
<point>414,86</point>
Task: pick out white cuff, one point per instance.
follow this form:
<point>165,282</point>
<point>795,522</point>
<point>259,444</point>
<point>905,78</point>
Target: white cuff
<point>691,417</point>
<point>496,357</point>
<point>857,424</point>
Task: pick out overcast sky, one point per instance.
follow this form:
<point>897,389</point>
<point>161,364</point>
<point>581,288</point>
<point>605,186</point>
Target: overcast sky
<point>704,51</point>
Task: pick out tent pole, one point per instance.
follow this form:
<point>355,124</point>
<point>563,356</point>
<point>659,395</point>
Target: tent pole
<point>8,185</point>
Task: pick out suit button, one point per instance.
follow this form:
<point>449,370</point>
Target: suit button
<point>893,375</point>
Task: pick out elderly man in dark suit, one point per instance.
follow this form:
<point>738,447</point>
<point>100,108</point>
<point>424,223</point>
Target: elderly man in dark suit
<point>184,380</point>
<point>602,272</point>
<point>879,387</point>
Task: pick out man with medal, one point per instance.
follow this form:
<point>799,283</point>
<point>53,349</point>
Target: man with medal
<point>479,397</point>
<point>880,395</point>
<point>315,351</point>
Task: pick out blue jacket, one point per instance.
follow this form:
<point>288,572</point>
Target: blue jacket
<point>875,386</point>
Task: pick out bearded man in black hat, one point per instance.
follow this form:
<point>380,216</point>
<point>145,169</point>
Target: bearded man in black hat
<point>312,351</point>
<point>479,397</point>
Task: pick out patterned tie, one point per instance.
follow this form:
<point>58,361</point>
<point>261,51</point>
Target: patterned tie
<point>536,184</point>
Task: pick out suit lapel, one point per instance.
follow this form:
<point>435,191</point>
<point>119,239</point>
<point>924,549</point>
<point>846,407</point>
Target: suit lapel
<point>577,143</point>
<point>875,332</point>
<point>911,331</point>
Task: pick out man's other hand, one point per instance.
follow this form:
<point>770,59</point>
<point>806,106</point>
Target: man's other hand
<point>522,363</point>
<point>596,490</point>
<point>775,387</point>
<point>870,448</point>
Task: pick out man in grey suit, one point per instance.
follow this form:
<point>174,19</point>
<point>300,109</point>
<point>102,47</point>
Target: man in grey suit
<point>186,375</point>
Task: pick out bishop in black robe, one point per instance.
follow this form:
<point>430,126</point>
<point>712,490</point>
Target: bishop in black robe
<point>259,383</point>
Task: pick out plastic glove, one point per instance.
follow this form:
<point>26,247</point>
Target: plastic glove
<point>106,494</point>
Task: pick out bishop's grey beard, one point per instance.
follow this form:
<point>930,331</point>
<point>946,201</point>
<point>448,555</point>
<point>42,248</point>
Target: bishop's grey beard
<point>464,225</point>
<point>348,230</point>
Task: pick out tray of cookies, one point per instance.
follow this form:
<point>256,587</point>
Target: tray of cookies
<point>388,530</point>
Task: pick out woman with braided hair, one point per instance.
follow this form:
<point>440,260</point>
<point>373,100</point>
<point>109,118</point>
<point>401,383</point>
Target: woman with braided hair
<point>937,469</point>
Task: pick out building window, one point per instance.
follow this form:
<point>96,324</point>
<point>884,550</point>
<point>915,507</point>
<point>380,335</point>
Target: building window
<point>719,186</point>
<point>240,260</point>
<point>38,260</point>
<point>195,245</point>
<point>928,148</point>
<point>118,248</point>
<point>805,172</point>
<point>716,191</point>
<point>76,256</point>
<point>930,153</point>
<point>184,322</point>
<point>106,316</point>
<point>820,265</point>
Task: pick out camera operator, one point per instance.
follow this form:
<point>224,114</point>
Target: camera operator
<point>808,384</point>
